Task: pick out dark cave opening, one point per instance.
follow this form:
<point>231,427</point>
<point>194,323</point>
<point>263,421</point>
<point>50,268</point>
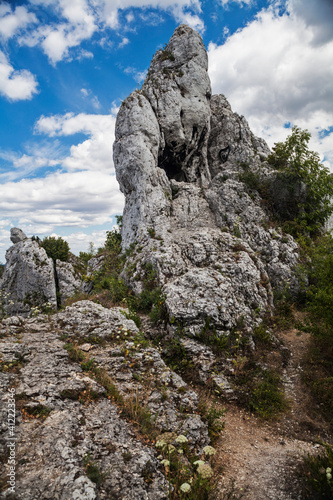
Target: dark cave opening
<point>171,161</point>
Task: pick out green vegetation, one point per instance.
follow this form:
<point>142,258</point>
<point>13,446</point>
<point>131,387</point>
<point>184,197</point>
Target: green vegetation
<point>92,470</point>
<point>317,473</point>
<point>56,248</point>
<point>114,289</point>
<point>266,397</point>
<point>309,184</point>
<point>189,476</point>
<point>318,368</point>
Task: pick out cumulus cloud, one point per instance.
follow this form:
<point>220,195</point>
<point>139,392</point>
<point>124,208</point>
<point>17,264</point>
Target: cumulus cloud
<point>240,2</point>
<point>93,154</point>
<point>78,20</point>
<point>317,15</point>
<point>84,192</point>
<point>16,84</point>
<point>13,21</point>
<point>62,199</point>
<point>273,73</point>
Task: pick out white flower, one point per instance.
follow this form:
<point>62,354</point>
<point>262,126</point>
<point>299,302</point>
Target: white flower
<point>329,476</point>
<point>165,462</point>
<point>181,439</point>
<point>205,471</point>
<point>209,450</point>
<point>328,470</point>
<point>185,488</point>
<point>180,451</point>
<point>160,444</point>
<point>199,462</point>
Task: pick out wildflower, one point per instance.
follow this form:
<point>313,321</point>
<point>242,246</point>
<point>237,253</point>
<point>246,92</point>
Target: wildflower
<point>328,470</point>
<point>181,439</point>
<point>209,450</point>
<point>180,451</point>
<point>205,471</point>
<point>329,476</point>
<point>199,462</point>
<point>185,488</point>
<point>165,462</point>
<point>160,444</point>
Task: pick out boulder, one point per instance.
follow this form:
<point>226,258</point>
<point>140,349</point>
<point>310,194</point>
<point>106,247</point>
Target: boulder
<point>28,278</point>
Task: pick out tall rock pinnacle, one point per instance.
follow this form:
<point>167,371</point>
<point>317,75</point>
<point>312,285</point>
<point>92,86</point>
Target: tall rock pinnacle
<point>181,159</point>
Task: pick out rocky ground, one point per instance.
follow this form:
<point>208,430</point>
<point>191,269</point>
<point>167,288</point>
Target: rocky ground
<point>83,379</point>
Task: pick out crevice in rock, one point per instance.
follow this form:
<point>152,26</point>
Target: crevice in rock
<point>56,280</point>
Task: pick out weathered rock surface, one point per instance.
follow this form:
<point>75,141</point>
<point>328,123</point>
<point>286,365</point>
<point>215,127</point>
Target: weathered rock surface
<point>30,278</point>
<point>182,159</point>
<point>65,418</point>
<point>69,281</point>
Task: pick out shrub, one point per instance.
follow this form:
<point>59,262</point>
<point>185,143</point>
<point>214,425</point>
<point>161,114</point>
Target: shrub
<point>317,472</point>
<point>309,184</point>
<point>318,369</point>
<point>56,248</point>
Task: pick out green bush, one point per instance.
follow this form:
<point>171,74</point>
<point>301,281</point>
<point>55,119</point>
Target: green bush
<point>318,368</point>
<point>267,400</point>
<point>56,248</point>
<point>317,471</point>
<point>309,183</point>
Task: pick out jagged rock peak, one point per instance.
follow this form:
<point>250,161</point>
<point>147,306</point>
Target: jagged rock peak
<point>182,158</point>
<point>17,235</point>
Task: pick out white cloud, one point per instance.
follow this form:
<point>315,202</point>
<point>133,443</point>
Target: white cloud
<point>78,20</point>
<point>317,15</point>
<point>93,99</point>
<point>93,154</point>
<point>273,73</point>
<point>192,20</point>
<point>16,84</point>
<point>83,193</point>
<point>125,41</point>
<point>80,241</point>
<point>13,21</point>
<point>240,2</point>
<point>138,75</point>
<point>62,199</point>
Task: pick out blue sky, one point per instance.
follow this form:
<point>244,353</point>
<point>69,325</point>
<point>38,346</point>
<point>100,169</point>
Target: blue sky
<point>65,66</point>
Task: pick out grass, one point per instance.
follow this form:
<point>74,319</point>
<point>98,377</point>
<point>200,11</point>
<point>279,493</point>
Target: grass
<point>316,473</point>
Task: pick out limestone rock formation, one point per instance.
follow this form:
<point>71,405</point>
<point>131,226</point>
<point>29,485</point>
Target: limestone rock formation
<point>183,160</point>
<point>69,281</point>
<point>30,278</point>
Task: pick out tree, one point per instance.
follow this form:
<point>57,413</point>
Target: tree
<point>308,181</point>
<point>56,248</point>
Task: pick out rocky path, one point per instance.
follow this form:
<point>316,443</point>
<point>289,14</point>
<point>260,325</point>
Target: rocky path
<point>261,459</point>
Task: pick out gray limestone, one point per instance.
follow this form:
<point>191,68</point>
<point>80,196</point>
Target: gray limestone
<point>181,159</point>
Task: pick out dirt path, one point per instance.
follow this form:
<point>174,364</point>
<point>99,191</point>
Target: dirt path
<point>262,458</point>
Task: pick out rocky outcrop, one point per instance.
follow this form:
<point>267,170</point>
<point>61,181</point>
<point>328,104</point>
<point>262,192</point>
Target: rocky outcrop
<point>71,413</point>
<point>191,170</point>
<point>30,278</point>
<point>69,281</point>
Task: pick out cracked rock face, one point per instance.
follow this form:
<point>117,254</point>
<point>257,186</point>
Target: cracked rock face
<point>65,417</point>
<point>30,277</point>
<point>182,158</point>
